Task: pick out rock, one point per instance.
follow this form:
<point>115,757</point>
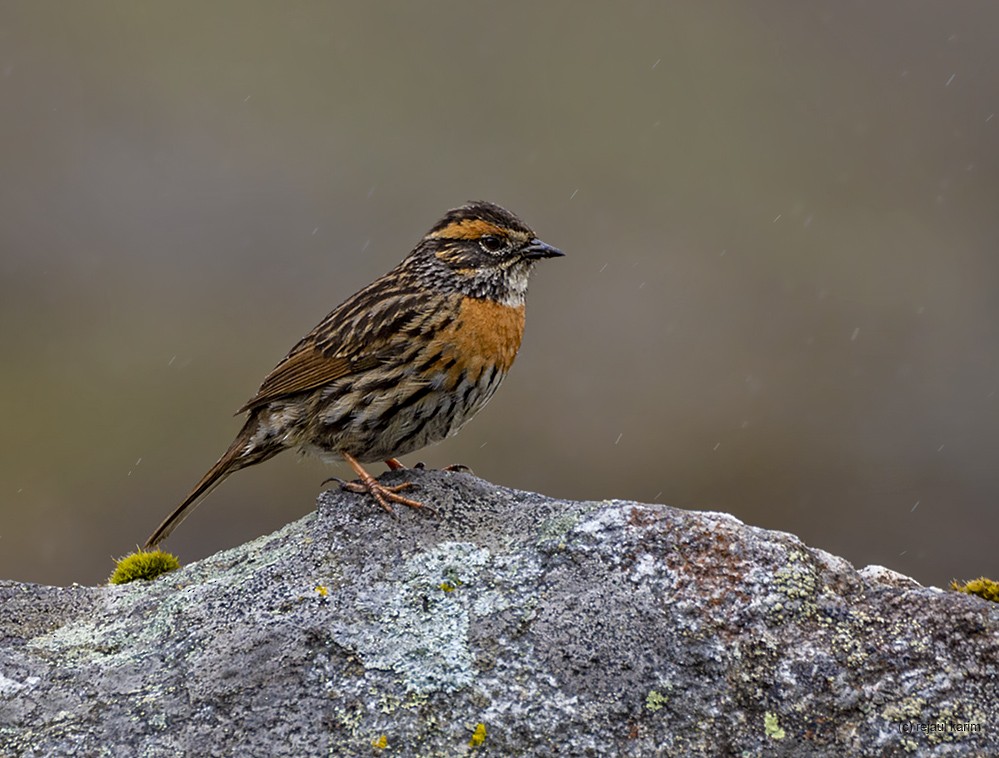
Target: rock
<point>512,624</point>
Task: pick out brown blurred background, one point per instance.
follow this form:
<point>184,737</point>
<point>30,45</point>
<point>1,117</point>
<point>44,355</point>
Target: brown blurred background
<point>780,298</point>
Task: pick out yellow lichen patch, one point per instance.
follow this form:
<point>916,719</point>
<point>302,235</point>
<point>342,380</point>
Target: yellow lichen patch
<point>322,590</point>
<point>984,588</point>
<point>380,742</point>
<point>468,229</point>
<point>478,736</point>
<point>143,565</point>
<point>771,726</point>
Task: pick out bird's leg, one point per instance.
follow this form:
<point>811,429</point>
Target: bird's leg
<point>395,464</point>
<point>380,492</point>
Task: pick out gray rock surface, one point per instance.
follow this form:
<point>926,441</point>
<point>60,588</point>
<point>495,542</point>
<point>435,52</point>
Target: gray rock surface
<point>513,624</point>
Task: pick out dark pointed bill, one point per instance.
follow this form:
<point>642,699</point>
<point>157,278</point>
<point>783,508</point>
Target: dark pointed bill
<point>537,249</point>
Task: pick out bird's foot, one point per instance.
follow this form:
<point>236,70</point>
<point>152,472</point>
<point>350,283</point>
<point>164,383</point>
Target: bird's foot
<point>384,494</point>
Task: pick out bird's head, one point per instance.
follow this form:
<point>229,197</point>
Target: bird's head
<point>486,250</point>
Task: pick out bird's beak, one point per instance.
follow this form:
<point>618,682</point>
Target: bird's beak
<point>537,249</point>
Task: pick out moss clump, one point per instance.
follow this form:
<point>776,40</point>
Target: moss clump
<point>984,588</point>
<point>478,736</point>
<point>143,565</point>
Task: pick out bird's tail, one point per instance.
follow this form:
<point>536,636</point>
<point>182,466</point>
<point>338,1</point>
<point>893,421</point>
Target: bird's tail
<point>239,455</point>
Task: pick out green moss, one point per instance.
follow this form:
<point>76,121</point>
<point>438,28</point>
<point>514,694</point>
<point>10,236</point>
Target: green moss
<point>771,727</point>
<point>984,588</point>
<point>143,565</point>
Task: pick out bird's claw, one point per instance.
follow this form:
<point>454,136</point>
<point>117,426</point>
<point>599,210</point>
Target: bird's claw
<point>385,494</point>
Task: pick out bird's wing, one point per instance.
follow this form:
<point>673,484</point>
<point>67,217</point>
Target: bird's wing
<point>304,370</point>
<point>365,331</point>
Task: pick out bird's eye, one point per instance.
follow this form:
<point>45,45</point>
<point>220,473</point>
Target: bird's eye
<point>491,243</point>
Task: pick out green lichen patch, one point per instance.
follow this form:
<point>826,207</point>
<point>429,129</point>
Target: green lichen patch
<point>797,585</point>
<point>771,726</point>
<point>143,565</point>
<point>655,700</point>
<point>557,527</point>
<point>984,588</point>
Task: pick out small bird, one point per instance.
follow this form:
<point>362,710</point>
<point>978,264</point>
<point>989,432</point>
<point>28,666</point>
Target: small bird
<point>400,365</point>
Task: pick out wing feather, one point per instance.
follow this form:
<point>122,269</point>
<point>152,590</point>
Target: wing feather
<point>305,370</point>
<point>367,330</point>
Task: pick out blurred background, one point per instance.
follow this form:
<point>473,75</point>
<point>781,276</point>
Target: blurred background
<point>780,297</point>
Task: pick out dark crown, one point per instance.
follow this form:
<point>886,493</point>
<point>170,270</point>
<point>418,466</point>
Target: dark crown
<point>481,210</point>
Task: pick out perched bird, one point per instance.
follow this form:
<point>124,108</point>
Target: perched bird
<point>401,364</point>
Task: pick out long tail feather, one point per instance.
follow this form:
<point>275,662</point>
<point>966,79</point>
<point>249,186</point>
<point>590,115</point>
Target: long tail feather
<point>235,458</point>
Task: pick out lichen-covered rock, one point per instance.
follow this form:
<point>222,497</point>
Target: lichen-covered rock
<point>512,624</point>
